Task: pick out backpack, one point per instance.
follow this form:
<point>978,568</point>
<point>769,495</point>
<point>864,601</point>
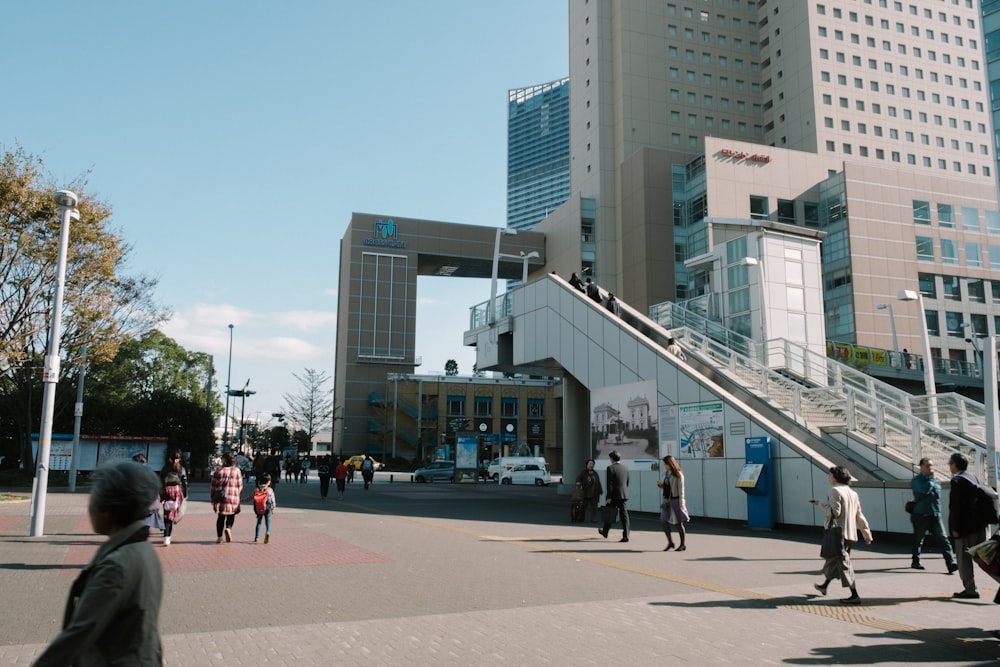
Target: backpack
<point>366,464</point>
<point>260,501</point>
<point>982,506</point>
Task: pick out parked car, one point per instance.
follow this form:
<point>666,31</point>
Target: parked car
<point>438,471</point>
<point>527,473</point>
<point>358,459</point>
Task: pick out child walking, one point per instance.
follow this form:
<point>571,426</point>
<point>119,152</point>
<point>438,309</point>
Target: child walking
<point>263,505</point>
<point>171,495</point>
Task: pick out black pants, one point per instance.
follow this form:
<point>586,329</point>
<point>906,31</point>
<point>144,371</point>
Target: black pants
<point>224,521</point>
<point>324,485</point>
<point>168,527</point>
<point>622,515</point>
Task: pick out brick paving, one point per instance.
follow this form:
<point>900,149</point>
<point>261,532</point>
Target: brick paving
<point>472,573</point>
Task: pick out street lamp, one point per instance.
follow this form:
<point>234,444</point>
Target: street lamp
<point>491,315</point>
<point>929,385</point>
<point>895,339</point>
<point>242,393</point>
<point>971,338</point>
<point>524,259</point>
<point>229,375</point>
<point>66,206</point>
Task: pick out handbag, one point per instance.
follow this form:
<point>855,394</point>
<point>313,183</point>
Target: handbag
<point>218,496</point>
<point>833,541</point>
<point>910,504</point>
<point>609,513</point>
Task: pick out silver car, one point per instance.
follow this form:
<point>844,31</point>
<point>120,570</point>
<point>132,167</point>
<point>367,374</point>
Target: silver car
<point>438,471</point>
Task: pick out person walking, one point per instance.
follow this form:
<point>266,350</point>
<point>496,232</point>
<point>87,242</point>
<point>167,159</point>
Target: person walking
<point>673,509</point>
<point>264,503</point>
<point>593,291</point>
<point>324,472</point>
<point>368,471</point>
<point>617,494</point>
<point>304,471</point>
<point>112,616</point>
<point>155,517</point>
<point>843,508</point>
<point>675,349</point>
<point>340,474</point>
<point>172,497</point>
<point>590,490</point>
<point>227,487</point>
<point>175,464</point>
<point>926,515</point>
<point>613,305</point>
<point>965,528</point>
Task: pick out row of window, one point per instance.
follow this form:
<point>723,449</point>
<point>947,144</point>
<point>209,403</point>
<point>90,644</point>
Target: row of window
<point>968,218</point>
<point>949,252</point>
<point>898,6</point>
<point>893,112</point>
<point>509,407</point>
<point>915,31</point>
<point>720,40</point>
<point>721,61</point>
<point>905,91</point>
<point>896,156</point>
<point>956,326</point>
<point>952,288</point>
<point>841,57</point>
<point>909,136</point>
<point>688,12</point>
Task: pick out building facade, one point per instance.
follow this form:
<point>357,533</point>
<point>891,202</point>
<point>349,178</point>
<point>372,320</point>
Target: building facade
<point>537,152</point>
<point>857,118</point>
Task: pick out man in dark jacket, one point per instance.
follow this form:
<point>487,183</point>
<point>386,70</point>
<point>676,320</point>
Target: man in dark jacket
<point>965,530</point>
<point>926,515</point>
<point>617,490</point>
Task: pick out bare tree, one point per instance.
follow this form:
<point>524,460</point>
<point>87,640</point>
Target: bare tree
<point>312,408</point>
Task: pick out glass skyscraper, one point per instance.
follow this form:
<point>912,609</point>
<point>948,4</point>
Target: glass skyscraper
<point>537,152</point>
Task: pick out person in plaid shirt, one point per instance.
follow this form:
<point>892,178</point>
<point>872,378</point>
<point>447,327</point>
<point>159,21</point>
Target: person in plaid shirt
<point>227,485</point>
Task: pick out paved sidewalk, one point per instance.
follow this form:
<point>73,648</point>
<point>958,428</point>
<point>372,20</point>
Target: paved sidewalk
<point>458,574</point>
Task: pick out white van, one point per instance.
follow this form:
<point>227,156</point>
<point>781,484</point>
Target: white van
<point>504,463</point>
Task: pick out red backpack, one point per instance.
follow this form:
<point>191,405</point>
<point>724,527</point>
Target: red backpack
<point>260,502</point>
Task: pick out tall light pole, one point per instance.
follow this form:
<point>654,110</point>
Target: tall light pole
<point>977,352</point>
<point>895,339</point>
<point>77,418</point>
<point>242,393</point>
<point>524,262</point>
<point>229,375</point>
<point>491,313</point>
<point>929,386</point>
<point>66,205</point>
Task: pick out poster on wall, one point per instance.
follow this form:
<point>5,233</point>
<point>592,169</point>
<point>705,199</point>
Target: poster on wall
<point>466,451</point>
<point>668,431</point>
<point>701,430</point>
<point>624,417</point>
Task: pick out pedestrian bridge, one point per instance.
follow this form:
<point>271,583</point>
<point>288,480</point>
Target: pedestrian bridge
<point>817,413</point>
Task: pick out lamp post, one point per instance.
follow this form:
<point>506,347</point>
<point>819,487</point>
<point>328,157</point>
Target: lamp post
<point>524,260</point>
<point>895,339</point>
<point>491,314</point>
<point>77,418</point>
<point>66,206</point>
<point>242,393</point>
<point>971,338</point>
<point>929,385</point>
<point>229,375</point>
<point>992,407</point>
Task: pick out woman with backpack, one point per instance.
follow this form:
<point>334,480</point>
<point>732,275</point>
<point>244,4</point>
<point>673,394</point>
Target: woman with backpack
<point>263,506</point>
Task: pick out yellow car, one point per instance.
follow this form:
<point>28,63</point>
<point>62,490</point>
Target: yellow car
<point>358,459</point>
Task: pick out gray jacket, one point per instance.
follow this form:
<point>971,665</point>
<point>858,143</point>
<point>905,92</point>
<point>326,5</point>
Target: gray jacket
<point>115,620</point>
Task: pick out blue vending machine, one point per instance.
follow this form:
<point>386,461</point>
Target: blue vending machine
<point>755,480</point>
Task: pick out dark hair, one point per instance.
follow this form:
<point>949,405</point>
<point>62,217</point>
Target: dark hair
<point>589,461</point>
<point>171,479</point>
<point>959,460</point>
<point>615,456</point>
<point>228,459</point>
<point>124,490</point>
<point>673,466</point>
<point>264,478</point>
<point>841,474</point>
<point>924,461</point>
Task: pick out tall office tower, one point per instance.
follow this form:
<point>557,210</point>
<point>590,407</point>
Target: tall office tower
<point>537,152</point>
<point>898,83</point>
<point>991,38</point>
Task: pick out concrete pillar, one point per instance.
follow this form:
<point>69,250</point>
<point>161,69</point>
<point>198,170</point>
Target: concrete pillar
<point>576,431</point>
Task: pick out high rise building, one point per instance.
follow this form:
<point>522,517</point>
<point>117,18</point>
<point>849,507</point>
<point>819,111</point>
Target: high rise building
<point>991,39</point>
<point>537,152</point>
<point>837,86</point>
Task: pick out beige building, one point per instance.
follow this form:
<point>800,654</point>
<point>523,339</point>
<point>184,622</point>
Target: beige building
<point>867,120</point>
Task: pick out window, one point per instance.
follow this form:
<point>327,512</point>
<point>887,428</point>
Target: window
<point>950,288</point>
<point>994,256</point>
<point>954,322</point>
<point>925,249</point>
<point>993,222</point>
<point>921,211</point>
<point>536,408</point>
<point>932,321</point>
<point>508,408</point>
<point>973,254</point>
<point>946,215</point>
<point>456,406</point>
<point>484,406</point>
<point>786,211</point>
<point>927,284</point>
<point>949,251</point>
<point>758,208</point>
<point>970,219</point>
<point>976,289</point>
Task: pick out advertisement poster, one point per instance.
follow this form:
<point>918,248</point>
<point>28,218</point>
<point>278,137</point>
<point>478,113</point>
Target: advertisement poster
<point>701,430</point>
<point>624,417</point>
<point>466,451</point>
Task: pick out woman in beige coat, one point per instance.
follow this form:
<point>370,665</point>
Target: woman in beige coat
<point>843,508</point>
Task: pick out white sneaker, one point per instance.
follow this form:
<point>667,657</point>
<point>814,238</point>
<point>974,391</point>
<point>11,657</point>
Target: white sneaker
<point>166,541</point>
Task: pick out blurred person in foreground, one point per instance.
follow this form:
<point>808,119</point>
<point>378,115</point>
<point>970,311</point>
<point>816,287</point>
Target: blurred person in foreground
<point>112,614</point>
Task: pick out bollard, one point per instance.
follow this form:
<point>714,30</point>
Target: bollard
<point>390,479</point>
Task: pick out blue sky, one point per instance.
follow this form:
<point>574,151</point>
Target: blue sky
<point>234,140</point>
